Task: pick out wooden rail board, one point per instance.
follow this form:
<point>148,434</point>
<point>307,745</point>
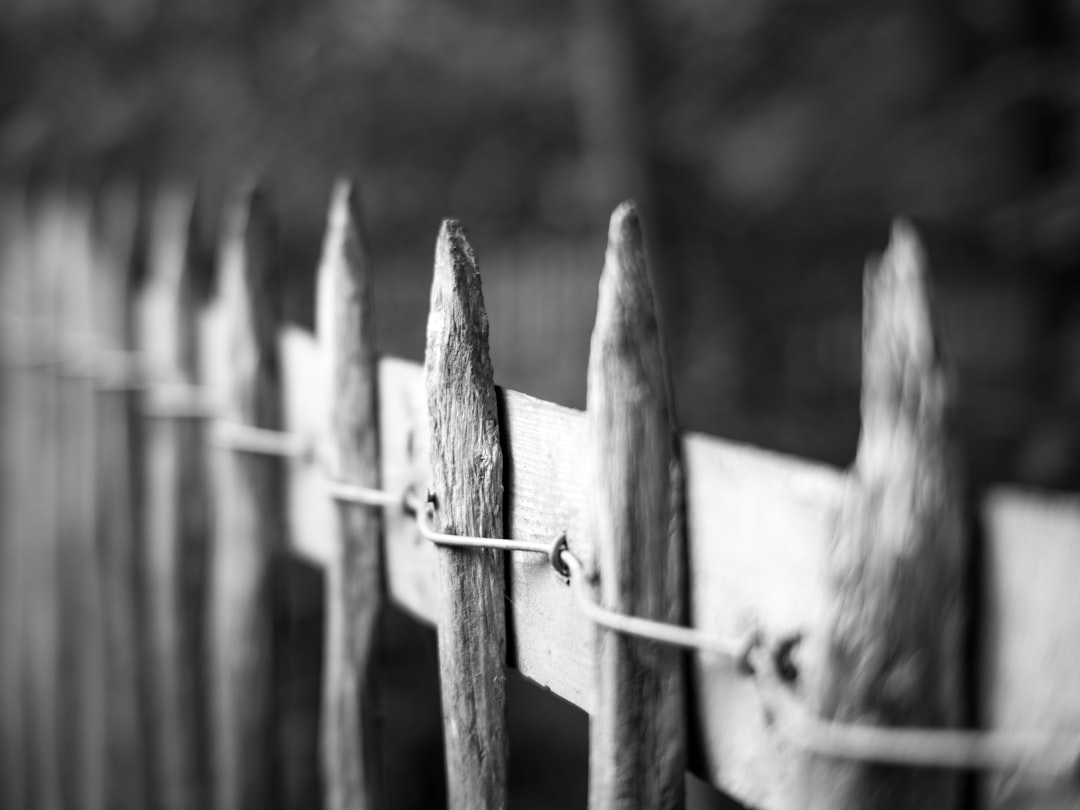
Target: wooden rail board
<point>175,517</point>
<point>352,702</point>
<point>1030,622</point>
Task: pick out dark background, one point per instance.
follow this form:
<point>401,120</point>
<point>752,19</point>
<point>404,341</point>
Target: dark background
<point>769,143</point>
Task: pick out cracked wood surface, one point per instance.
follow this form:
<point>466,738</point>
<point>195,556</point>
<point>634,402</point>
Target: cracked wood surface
<point>467,485</point>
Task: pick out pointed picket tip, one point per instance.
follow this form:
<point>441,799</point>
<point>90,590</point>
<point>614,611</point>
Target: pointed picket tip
<point>625,295</point>
<point>635,523</point>
<point>201,237</point>
<point>249,301</point>
<point>170,214</point>
<point>457,366</point>
<point>344,261</point>
<point>626,332</point>
<point>898,298</point>
<point>79,282</point>
<point>455,259</point>
<point>457,299</point>
<point>116,235</point>
<point>904,380</point>
<point>247,212</point>
<point>346,333</point>
<point>346,211</point>
<point>457,328</point>
<point>248,238</point>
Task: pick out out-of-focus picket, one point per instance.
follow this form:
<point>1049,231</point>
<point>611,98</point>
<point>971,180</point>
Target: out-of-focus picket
<point>793,634</point>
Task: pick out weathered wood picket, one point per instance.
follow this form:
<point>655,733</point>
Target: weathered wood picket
<point>795,635</point>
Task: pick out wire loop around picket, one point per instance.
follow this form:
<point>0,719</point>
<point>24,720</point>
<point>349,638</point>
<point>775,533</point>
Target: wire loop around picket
<point>422,510</point>
<point>735,648</point>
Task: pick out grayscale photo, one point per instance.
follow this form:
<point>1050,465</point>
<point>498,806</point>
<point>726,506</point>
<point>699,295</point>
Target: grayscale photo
<point>539,404</point>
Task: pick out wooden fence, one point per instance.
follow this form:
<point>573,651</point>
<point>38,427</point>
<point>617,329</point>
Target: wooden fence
<point>795,635</point>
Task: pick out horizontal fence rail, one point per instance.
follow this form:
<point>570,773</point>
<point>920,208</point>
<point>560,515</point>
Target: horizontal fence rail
<point>794,634</point>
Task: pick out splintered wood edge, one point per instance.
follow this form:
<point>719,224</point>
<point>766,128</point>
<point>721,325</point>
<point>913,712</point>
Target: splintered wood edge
<point>758,528</point>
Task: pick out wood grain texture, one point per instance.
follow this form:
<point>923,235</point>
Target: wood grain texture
<point>546,495</point>
<point>467,482</point>
<point>175,518</point>
<point>118,248</point>
<point>896,644</point>
<point>759,528</point>
<point>637,749</point>
<point>351,721</point>
<point>249,517</point>
<point>1029,667</point>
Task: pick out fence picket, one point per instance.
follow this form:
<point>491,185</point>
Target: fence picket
<point>16,550</point>
<point>895,651</point>
<point>351,718</point>
<point>175,515</point>
<point>118,250</point>
<point>467,482</point>
<point>44,629</point>
<point>249,524</point>
<point>82,661</point>
<point>636,735</point>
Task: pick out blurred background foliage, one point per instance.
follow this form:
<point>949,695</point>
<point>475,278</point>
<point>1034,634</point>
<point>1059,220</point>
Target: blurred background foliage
<point>769,142</point>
